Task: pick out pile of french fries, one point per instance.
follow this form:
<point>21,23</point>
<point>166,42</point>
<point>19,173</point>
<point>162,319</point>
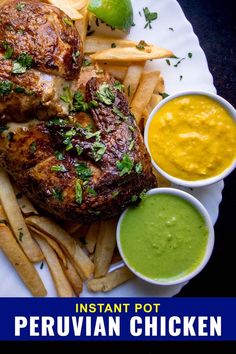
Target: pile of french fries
<point>76,253</point>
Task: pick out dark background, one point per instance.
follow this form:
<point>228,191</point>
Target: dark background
<point>214,23</point>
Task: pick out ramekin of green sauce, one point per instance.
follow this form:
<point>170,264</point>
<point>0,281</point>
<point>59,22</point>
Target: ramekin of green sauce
<point>167,239</point>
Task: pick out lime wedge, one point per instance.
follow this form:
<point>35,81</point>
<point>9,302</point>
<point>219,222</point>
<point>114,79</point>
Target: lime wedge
<point>116,13</point>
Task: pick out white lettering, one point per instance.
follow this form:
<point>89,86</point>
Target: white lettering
<point>135,320</point>
<point>162,326</point>
<point>173,321</point>
<point>33,326</point>
<point>150,326</point>
<point>188,326</point>
<point>63,326</point>
<point>215,326</point>
<point>20,322</point>
<point>114,326</point>
<point>47,326</point>
<point>99,327</point>
<point>202,325</point>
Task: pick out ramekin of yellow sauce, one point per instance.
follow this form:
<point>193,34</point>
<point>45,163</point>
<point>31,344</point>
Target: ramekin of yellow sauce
<point>191,137</point>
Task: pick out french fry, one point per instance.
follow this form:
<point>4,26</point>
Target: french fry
<point>62,285</point>
<point>94,44</point>
<point>155,99</point>
<point>144,92</point>
<point>24,203</point>
<point>73,277</point>
<point>16,220</point>
<point>71,227</point>
<point>82,262</point>
<point>91,236</point>
<point>105,246</point>
<point>35,232</point>
<point>77,4</point>
<point>131,54</point>
<point>118,71</point>
<point>160,87</point>
<point>82,24</point>
<point>132,79</point>
<point>110,281</point>
<point>69,10</point>
<point>20,262</point>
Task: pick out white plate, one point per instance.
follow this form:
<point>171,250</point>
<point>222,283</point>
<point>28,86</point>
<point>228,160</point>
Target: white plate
<point>195,76</point>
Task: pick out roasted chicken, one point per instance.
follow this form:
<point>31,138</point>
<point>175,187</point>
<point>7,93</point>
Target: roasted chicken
<point>82,165</point>
<point>40,53</point>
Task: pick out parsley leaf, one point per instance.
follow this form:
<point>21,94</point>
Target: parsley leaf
<point>125,165</point>
<point>149,17</point>
<point>83,171</point>
<point>164,95</point>
<point>105,94</point>
<point>67,96</point>
<point>67,21</point>
<point>59,168</point>
<point>22,63</point>
<point>98,150</point>
<point>113,45</point>
<point>57,194</point>
<point>190,55</point>
<point>75,55</point>
<point>5,87</point>
<point>78,192</point>
<point>118,86</point>
<point>141,46</point>
<point>138,168</point>
<point>20,6</point>
<point>33,147</point>
<point>91,191</point>
<point>9,50</point>
<point>119,113</point>
<point>59,155</point>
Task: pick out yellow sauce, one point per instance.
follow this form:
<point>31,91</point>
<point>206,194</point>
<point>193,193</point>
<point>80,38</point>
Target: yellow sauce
<point>192,137</point>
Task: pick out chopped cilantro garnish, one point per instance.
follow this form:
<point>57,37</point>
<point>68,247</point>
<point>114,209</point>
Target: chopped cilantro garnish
<point>115,194</point>
<point>134,198</point>
<point>91,191</point>
<point>20,6</point>
<point>22,63</point>
<point>59,155</point>
<point>67,21</point>
<point>190,55</point>
<point>141,46</point>
<point>171,28</point>
<point>131,128</point>
<point>9,50</point>
<point>78,192</point>
<point>21,31</point>
<point>181,77</point>
<point>168,61</point>
<point>164,95</point>
<point>180,61</point>
<point>59,168</point>
<point>131,145</point>
<point>83,171</point>
<point>143,194</point>
<point>41,265</point>
<point>57,121</point>
<point>5,87</point>
<point>105,94</point>
<point>79,150</point>
<point>138,168</point>
<point>75,55</point>
<point>67,96</point>
<point>87,62</point>
<point>149,17</point>
<point>125,165</point>
<point>118,86</point>
<point>96,135</point>
<point>98,150</point>
<point>128,90</point>
<point>33,147</point>
<point>20,234</point>
<point>57,194</point>
<point>113,45</point>
<point>119,113</point>
<point>19,89</point>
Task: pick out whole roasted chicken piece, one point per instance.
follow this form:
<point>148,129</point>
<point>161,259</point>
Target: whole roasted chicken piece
<point>40,54</point>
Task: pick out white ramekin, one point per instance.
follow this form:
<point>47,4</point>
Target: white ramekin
<point>202,182</point>
<point>210,242</point>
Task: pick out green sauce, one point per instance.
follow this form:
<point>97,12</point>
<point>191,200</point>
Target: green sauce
<point>164,238</point>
